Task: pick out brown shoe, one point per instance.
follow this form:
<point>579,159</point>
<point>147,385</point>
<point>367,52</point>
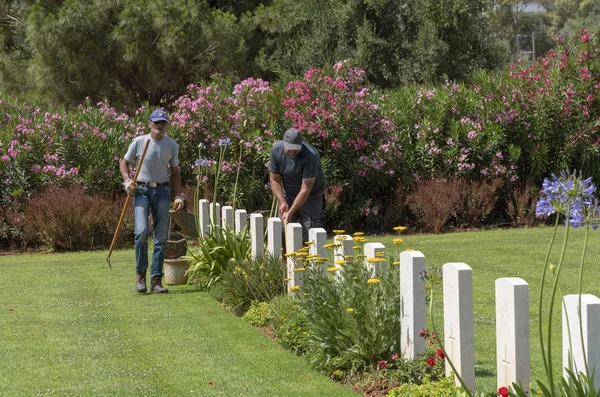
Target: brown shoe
<point>157,287</point>
<point>140,282</point>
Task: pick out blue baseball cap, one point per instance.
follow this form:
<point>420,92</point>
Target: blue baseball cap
<point>159,115</point>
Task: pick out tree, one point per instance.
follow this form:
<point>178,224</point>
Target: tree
<point>134,51</point>
<point>396,42</point>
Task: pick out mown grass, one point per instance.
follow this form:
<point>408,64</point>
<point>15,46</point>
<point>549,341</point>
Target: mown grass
<point>69,326</point>
<point>78,328</point>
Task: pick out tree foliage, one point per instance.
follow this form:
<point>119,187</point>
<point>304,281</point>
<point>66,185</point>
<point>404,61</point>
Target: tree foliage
<point>396,42</point>
<point>131,51</point>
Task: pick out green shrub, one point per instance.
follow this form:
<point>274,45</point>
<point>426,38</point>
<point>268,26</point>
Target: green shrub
<point>219,249</point>
<point>445,387</point>
<point>289,323</point>
<point>250,280</point>
<point>353,317</point>
<point>258,314</point>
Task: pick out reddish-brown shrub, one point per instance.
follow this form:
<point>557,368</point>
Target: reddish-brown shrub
<point>521,206</point>
<point>11,225</point>
<point>68,219</point>
<point>480,199</point>
<point>436,201</point>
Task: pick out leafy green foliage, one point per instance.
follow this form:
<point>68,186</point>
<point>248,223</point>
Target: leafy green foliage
<point>442,388</point>
<point>353,315</point>
<point>250,280</point>
<point>289,323</point>
<point>219,250</point>
<point>258,314</point>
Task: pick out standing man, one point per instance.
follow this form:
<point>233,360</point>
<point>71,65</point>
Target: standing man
<point>152,195</point>
<point>297,181</point>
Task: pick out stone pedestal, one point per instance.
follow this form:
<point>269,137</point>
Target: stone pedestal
<point>175,270</point>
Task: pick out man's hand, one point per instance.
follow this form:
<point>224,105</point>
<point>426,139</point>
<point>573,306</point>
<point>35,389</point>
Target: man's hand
<point>287,218</point>
<point>130,187</point>
<point>283,207</point>
<point>178,202</point>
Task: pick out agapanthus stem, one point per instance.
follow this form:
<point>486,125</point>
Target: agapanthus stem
<point>553,297</point>
<point>585,240</point>
<point>541,330</point>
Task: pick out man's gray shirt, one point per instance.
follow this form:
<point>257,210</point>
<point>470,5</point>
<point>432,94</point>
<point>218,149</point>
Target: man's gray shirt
<point>292,170</point>
<point>160,155</point>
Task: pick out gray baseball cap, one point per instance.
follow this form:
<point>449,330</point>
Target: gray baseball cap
<point>292,139</point>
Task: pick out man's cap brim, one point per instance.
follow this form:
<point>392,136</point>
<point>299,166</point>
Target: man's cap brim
<point>292,146</point>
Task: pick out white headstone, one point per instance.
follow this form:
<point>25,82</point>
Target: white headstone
<point>241,217</point>
<point>512,332</point>
<point>294,244</point>
<point>590,316</point>
<point>204,218</point>
<point>257,236</point>
<point>458,321</point>
<point>377,269</point>
<point>227,216</point>
<point>215,214</point>
<point>344,250</point>
<point>318,236</point>
<point>274,231</point>
<point>412,304</point>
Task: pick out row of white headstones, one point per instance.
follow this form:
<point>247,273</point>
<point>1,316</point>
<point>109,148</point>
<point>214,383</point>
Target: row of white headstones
<point>512,301</point>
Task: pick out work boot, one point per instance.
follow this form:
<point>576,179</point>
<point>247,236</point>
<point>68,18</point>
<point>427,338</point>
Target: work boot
<point>140,282</point>
<point>157,285</point>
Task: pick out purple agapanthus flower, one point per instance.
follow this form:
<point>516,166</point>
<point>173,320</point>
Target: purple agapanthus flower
<point>570,193</point>
<point>224,142</point>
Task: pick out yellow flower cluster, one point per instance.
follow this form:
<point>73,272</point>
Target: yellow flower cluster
<point>338,232</point>
<point>294,288</point>
<point>350,310</point>
<point>398,241</point>
<point>373,281</point>
<point>400,229</point>
<point>334,269</point>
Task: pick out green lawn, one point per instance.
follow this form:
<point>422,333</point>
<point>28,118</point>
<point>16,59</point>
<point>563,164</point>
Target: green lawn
<point>69,326</point>
<point>78,328</point>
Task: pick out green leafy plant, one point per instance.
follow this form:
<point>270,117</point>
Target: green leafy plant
<point>289,323</point>
<point>352,311</point>
<point>442,388</point>
<point>219,249</point>
<point>258,314</point>
<point>248,280</point>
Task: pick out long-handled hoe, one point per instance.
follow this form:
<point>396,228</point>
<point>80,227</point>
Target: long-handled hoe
<point>137,171</point>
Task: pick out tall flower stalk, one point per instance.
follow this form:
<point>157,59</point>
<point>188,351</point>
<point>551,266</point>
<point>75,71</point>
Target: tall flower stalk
<point>571,196</point>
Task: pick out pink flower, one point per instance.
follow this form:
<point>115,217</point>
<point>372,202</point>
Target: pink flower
<point>382,364</point>
<point>394,356</point>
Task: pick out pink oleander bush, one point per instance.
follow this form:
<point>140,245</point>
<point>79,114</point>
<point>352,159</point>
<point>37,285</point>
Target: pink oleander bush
<point>514,125</point>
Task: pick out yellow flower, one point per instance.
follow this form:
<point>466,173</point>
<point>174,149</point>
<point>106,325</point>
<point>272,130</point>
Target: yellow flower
<point>358,234</point>
<point>340,238</point>
<point>321,260</point>
<point>290,254</point>
<point>400,228</point>
<point>379,254</point>
<point>333,269</point>
<point>398,241</point>
<point>309,243</point>
<point>349,257</point>
<point>329,246</point>
<point>339,231</point>
<point>300,269</point>
<point>396,263</point>
<point>360,239</point>
<point>374,260</point>
<point>294,288</point>
<point>349,310</point>
<point>373,281</point>
<point>312,257</point>
<point>409,249</point>
<point>286,279</point>
<point>301,254</point>
<point>294,307</point>
<point>340,262</point>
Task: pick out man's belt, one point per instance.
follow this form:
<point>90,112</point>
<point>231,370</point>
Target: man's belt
<point>153,184</point>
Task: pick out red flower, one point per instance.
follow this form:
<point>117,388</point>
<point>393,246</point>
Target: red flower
<point>382,364</point>
<point>440,354</point>
<point>424,333</point>
<point>503,391</point>
<point>431,362</point>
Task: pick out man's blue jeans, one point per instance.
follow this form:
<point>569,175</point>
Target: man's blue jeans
<point>155,201</point>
